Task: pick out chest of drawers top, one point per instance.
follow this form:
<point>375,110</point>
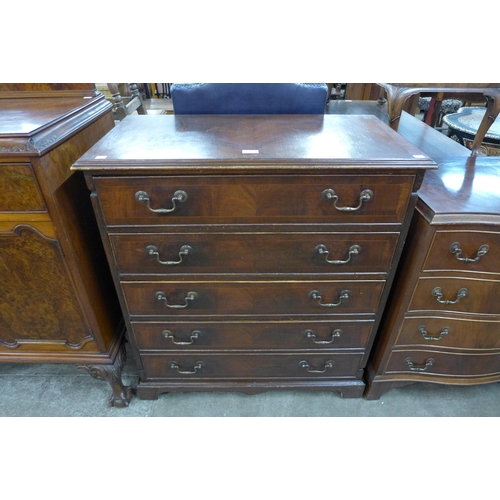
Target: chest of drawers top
<point>227,144</point>
<point>31,127</point>
<point>462,191</point>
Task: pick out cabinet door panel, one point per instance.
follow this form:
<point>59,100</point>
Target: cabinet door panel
<point>37,300</point>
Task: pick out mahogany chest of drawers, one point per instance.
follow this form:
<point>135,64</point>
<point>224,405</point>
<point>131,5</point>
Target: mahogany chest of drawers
<point>252,252</point>
<point>442,320</point>
<point>57,299</point>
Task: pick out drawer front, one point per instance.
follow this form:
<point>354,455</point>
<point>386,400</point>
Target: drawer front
<point>451,333</point>
<point>251,298</point>
<point>465,295</point>
<point>312,335</point>
<point>19,188</point>
<point>220,253</point>
<point>475,251</point>
<point>253,199</point>
<point>428,363</point>
<point>254,366</point>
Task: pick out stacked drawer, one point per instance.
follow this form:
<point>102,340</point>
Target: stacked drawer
<point>443,323</point>
<point>253,269</point>
<point>254,280</point>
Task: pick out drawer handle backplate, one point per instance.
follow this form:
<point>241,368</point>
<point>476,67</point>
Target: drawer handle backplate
<point>184,250</point>
<point>305,364</point>
<point>330,194</point>
<point>439,295</point>
<point>353,250</point>
<point>143,197</point>
<point>190,296</point>
<point>195,335</point>
<point>417,368</point>
<point>335,334</point>
<point>344,295</point>
<point>198,366</point>
<point>425,334</point>
<point>455,248</point>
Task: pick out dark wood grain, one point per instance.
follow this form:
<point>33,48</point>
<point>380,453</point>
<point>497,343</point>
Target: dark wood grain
<point>239,253</point>
<point>475,334</point>
<point>441,256</point>
<point>458,203</point>
<point>57,298</point>
<point>20,191</point>
<point>201,141</point>
<point>481,298</point>
<point>31,307</point>
<point>254,199</point>
<point>268,298</point>
<point>253,221</point>
<point>268,335</point>
<point>253,366</point>
<point>462,190</point>
<point>454,364</point>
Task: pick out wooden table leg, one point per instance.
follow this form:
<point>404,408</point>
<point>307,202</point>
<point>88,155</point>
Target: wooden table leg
<point>492,111</point>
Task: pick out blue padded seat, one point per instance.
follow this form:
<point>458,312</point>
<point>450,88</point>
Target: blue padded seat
<point>249,98</point>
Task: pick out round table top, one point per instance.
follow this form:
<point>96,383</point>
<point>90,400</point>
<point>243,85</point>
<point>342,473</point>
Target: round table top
<point>468,120</point>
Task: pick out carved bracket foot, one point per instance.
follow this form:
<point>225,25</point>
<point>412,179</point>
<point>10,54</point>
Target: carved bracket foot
<point>112,374</point>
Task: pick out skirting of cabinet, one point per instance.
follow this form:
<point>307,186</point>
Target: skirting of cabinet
<point>346,388</point>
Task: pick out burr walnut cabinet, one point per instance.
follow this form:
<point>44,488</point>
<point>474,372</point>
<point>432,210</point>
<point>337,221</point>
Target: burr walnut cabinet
<point>442,320</point>
<point>57,299</point>
<point>252,252</point>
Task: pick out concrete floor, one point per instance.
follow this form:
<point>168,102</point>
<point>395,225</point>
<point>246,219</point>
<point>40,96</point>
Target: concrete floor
<point>64,391</point>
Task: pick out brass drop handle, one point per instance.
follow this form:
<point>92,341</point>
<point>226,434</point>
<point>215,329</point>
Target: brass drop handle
<point>198,366</point>
<point>417,368</point>
<point>179,196</point>
<point>315,295</point>
<point>311,335</point>
<point>330,194</point>
<point>184,250</point>
<point>455,248</point>
<point>353,250</point>
<point>425,334</point>
<point>305,364</point>
<point>439,295</point>
<point>190,296</point>
<point>195,335</point>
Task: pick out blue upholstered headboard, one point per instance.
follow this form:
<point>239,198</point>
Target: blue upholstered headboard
<point>249,98</point>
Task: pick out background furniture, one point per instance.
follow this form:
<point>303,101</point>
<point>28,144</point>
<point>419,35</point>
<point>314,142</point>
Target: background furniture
<point>463,126</point>
<point>435,109</point>
<point>249,98</point>
<point>57,302</point>
<point>253,252</point>
<point>442,320</point>
<point>398,93</point>
<point>125,97</point>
